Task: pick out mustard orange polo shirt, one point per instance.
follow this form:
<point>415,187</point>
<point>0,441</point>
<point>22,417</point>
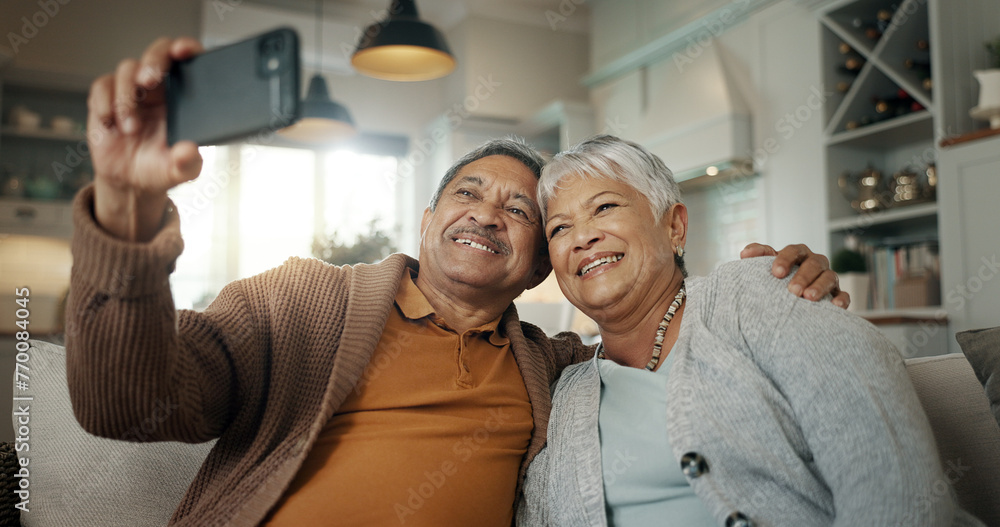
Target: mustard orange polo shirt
<point>433,435</point>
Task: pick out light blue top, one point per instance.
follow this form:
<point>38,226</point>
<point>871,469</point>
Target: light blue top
<point>643,485</point>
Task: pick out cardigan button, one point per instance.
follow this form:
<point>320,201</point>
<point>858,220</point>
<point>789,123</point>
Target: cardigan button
<point>693,465</point>
<point>738,519</point>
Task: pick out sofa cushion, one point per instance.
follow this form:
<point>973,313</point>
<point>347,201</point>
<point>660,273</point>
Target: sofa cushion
<point>967,436</point>
<point>79,479</point>
<point>982,349</point>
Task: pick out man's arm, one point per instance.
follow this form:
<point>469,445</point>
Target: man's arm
<point>813,280</point>
<point>136,368</point>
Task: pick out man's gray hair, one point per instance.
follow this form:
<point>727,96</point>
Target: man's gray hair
<point>610,157</point>
<point>513,147</point>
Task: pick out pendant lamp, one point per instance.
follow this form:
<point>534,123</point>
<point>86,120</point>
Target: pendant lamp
<point>322,120</point>
<point>403,48</point>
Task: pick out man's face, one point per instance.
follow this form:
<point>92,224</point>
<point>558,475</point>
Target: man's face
<point>485,236</point>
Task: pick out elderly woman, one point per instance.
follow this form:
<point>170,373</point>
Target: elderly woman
<point>722,400</point>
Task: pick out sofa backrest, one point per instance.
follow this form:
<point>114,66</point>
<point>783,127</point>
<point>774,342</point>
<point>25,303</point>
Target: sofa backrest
<point>79,479</point>
<point>967,434</point>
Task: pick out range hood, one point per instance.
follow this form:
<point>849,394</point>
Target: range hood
<point>704,133</point>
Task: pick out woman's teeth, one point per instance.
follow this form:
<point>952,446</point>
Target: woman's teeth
<point>598,262</point>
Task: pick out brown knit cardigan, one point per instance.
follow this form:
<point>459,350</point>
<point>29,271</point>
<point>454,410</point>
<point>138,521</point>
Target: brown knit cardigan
<point>262,369</point>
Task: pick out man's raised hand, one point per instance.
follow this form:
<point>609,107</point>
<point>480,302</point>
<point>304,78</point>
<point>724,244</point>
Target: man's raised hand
<point>126,133</point>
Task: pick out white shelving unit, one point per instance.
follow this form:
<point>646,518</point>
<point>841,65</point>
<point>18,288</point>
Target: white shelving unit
<point>40,167</point>
<point>856,138</point>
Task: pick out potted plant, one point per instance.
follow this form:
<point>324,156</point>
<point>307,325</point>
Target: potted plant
<point>852,269</point>
<point>369,247</point>
<point>989,87</point>
<point>993,47</point>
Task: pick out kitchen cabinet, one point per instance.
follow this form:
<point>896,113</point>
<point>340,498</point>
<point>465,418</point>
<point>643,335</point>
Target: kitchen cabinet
<point>970,239</point>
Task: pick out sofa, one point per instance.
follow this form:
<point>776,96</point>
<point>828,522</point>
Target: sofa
<point>78,479</point>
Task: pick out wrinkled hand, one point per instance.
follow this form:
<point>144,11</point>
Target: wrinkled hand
<point>812,281</point>
<point>126,132</point>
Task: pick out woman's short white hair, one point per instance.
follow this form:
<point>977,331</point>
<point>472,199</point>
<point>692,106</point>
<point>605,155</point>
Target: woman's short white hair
<point>610,157</point>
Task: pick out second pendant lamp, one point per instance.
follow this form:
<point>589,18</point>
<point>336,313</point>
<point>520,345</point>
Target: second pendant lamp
<point>322,120</point>
<point>403,48</point>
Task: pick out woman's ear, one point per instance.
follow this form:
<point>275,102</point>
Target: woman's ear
<point>677,221</point>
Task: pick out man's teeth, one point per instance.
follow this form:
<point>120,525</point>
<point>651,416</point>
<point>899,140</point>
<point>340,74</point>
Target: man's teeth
<point>598,262</point>
<point>471,243</point>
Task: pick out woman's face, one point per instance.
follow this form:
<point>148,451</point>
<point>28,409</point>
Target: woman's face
<point>607,250</point>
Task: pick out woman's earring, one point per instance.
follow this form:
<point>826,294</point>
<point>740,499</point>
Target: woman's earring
<point>680,252</point>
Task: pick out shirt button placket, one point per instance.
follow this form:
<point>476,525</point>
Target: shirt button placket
<point>464,374</point>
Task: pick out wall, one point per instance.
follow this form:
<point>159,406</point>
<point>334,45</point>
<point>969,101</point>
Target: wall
<point>646,21</point>
<point>513,70</point>
<point>771,59</point>
<point>779,47</point>
<point>83,39</point>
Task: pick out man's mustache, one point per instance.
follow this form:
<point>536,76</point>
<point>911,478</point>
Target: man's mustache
<point>482,233</point>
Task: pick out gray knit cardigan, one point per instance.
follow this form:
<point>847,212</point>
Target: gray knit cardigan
<point>785,412</point>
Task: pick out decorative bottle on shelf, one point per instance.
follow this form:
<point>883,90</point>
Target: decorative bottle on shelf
<point>852,66</point>
<point>900,104</point>
<point>921,67</point>
<point>884,18</point>
<point>869,29</point>
<point>858,123</point>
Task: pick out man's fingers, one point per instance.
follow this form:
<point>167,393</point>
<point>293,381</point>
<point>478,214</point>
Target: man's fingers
<point>820,282</point>
<point>185,162</point>
<point>154,62</point>
<point>788,257</point>
<point>160,54</point>
<point>757,249</point>
<point>124,96</point>
<point>185,48</point>
<point>842,299</point>
<point>805,276</point>
<point>100,110</point>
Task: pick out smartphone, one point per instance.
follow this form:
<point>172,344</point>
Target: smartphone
<point>236,91</point>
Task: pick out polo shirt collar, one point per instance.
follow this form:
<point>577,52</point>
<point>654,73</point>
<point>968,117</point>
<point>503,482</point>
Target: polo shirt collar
<point>414,305</point>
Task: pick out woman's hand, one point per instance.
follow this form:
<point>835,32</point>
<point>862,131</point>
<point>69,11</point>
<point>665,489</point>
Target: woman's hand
<point>812,281</point>
<point>126,133</point>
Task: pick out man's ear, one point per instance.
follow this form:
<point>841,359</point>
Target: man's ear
<point>542,269</point>
<point>428,214</point>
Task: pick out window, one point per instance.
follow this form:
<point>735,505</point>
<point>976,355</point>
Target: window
<point>358,189</point>
<point>255,206</point>
<point>276,207</point>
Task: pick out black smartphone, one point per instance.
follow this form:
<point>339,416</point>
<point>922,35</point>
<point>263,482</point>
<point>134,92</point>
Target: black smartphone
<point>236,91</point>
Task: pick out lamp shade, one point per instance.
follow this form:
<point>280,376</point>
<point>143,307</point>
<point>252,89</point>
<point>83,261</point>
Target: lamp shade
<point>403,48</point>
<point>323,120</point>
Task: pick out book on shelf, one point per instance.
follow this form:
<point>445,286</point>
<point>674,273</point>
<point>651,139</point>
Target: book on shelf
<point>903,272</point>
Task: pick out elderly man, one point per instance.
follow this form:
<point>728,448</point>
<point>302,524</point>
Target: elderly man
<point>400,392</point>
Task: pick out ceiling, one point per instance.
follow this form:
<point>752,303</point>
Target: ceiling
<point>447,13</point>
